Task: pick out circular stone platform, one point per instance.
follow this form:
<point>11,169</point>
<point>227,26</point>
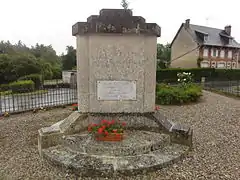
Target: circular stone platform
<point>134,143</point>
<point>139,152</point>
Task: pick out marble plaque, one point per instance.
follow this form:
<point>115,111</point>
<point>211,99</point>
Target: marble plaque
<point>116,90</point>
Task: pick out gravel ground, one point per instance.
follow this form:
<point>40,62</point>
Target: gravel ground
<point>215,155</point>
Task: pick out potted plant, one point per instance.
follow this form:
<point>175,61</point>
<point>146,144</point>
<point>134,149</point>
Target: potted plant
<point>108,130</point>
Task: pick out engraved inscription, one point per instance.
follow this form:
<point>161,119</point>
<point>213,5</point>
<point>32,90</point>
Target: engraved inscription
<point>116,90</point>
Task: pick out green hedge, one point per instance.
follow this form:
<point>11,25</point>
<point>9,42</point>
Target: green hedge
<point>36,78</point>
<point>22,86</point>
<point>170,75</point>
<point>4,87</point>
<point>177,94</point>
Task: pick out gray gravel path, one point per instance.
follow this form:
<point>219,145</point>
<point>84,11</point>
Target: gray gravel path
<point>216,153</point>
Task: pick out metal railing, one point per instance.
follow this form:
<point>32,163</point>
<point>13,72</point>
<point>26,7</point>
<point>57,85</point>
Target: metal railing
<point>49,96</point>
<point>231,87</point>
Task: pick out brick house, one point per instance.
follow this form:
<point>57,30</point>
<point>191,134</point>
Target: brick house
<point>195,46</point>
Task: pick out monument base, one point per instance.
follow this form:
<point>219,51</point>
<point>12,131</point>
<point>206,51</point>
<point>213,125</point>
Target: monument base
<point>151,143</point>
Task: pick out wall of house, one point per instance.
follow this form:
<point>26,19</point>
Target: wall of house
<point>66,76</point>
<point>183,44</point>
<point>212,61</point>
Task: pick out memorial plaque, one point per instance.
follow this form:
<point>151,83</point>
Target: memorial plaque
<point>116,90</point>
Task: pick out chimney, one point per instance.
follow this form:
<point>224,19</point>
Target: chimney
<point>187,22</point>
<point>228,30</point>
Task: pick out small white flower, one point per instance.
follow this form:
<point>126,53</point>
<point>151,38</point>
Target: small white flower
<point>178,80</point>
<point>184,79</point>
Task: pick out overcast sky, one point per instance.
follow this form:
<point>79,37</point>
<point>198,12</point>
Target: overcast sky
<point>50,21</point>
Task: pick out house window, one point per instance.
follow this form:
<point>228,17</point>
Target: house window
<point>222,53</point>
<point>205,38</point>
<point>204,64</point>
<point>214,53</point>
<point>205,52</point>
<point>228,65</point>
<point>233,65</point>
<point>230,54</point>
<point>221,65</point>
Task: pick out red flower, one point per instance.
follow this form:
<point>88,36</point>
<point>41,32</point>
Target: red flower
<point>106,133</point>
<point>100,130</point>
<point>89,128</point>
<point>112,122</point>
<point>118,135</point>
<point>104,121</point>
<point>103,127</point>
<point>124,124</point>
<point>94,125</point>
<point>157,107</point>
<point>114,130</point>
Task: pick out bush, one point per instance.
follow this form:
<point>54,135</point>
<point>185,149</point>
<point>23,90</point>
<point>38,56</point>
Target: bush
<point>4,87</point>
<point>22,86</point>
<point>36,78</point>
<point>177,94</point>
<point>59,85</point>
<point>170,75</point>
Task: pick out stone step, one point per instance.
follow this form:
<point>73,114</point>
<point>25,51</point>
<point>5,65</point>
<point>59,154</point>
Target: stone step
<point>135,143</point>
<point>85,164</point>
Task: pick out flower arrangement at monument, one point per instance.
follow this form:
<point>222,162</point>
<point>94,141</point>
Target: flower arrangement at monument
<point>74,107</point>
<point>108,130</point>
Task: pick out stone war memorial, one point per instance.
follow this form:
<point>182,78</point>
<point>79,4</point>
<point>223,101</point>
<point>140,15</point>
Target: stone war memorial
<point>116,130</point>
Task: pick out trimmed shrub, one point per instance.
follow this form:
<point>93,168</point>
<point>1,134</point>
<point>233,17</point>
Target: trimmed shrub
<point>22,86</point>
<point>177,94</point>
<point>4,87</point>
<point>170,75</point>
<point>36,78</point>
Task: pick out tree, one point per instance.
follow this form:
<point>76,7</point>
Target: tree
<point>163,56</point>
<point>125,4</point>
<point>18,60</point>
<point>69,60</point>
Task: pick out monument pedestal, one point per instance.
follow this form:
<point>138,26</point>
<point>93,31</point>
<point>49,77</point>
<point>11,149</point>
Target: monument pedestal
<point>116,80</point>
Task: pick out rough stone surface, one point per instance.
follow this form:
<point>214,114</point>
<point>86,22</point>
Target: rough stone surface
<point>163,122</point>
<point>134,143</point>
<point>133,120</point>
<point>74,123</point>
<point>116,21</point>
<point>116,57</point>
<point>85,164</point>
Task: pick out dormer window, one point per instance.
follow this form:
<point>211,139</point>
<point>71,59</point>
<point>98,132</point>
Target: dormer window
<point>205,38</point>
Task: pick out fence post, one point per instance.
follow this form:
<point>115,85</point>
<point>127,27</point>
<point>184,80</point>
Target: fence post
<point>238,88</point>
<point>203,81</point>
<point>1,111</point>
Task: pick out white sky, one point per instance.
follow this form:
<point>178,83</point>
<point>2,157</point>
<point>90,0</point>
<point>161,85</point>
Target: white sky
<point>50,21</point>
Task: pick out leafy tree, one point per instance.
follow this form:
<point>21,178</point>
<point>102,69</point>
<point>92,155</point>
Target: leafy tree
<point>163,55</point>
<point>18,60</point>
<point>14,66</point>
<point>69,59</point>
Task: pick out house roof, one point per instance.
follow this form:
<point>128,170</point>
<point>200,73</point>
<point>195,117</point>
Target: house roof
<point>214,36</point>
